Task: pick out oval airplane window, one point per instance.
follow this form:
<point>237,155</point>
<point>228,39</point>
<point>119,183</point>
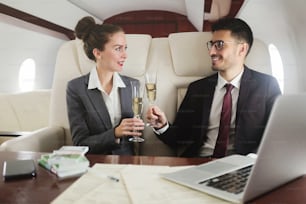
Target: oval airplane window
<point>27,74</point>
<point>277,66</point>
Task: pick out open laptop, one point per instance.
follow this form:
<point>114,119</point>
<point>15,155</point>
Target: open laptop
<point>280,158</point>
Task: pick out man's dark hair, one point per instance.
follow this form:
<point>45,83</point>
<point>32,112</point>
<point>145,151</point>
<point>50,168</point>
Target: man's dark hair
<point>239,29</point>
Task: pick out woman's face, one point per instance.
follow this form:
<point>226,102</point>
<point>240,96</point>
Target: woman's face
<point>114,54</point>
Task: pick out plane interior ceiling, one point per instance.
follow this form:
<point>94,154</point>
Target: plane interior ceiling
<point>193,9</point>
<point>278,22</point>
<point>196,11</point>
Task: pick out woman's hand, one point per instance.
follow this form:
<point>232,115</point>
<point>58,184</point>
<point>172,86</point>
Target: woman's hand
<point>129,127</point>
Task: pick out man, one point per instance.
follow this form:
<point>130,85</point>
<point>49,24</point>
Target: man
<point>197,124</point>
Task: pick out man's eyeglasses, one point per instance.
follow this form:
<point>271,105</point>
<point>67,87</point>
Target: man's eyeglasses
<point>218,44</point>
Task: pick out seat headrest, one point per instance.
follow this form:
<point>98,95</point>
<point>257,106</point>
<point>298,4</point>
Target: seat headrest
<point>259,57</point>
<point>189,53</point>
<point>135,65</point>
<point>138,52</point>
<point>84,62</point>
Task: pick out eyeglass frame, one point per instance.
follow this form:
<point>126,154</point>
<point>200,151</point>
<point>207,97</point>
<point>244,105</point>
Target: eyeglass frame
<point>210,44</point>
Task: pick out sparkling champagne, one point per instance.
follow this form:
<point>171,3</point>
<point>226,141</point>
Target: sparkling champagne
<point>151,91</point>
<point>137,106</point>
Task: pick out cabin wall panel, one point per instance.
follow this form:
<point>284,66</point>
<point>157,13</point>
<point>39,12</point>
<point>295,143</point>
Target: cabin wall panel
<point>51,10</point>
<point>296,14</point>
<point>301,47</point>
<point>275,26</point>
<point>18,44</point>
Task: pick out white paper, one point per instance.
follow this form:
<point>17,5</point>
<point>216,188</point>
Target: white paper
<point>144,185</point>
<point>96,187</point>
<point>138,184</point>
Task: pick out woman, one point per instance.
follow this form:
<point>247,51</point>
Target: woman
<point>100,103</point>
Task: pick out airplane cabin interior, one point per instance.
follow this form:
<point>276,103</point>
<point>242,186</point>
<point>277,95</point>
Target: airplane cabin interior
<point>40,54</point>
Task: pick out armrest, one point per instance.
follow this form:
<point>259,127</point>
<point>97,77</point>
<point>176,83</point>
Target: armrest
<point>12,134</point>
<point>43,140</point>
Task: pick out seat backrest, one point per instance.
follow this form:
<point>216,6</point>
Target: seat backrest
<point>181,59</point>
<point>191,60</point>
<point>24,111</point>
<point>72,62</point>
<point>259,57</point>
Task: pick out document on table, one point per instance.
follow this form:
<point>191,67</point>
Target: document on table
<point>136,184</point>
<point>98,185</point>
<point>144,185</point>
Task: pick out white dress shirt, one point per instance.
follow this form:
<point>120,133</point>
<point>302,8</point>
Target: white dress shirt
<point>112,100</point>
<point>215,114</point>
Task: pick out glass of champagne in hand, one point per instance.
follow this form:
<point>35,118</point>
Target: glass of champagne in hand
<point>151,78</point>
<point>137,104</point>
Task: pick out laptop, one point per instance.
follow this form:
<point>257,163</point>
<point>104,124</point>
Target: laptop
<point>280,158</point>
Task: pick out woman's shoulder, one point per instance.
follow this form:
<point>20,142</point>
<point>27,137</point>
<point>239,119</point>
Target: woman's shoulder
<point>79,79</point>
<point>127,78</point>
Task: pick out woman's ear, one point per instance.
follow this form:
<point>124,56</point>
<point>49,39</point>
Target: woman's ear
<point>97,53</point>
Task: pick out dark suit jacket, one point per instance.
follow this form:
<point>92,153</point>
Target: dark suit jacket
<point>89,120</point>
<point>256,97</point>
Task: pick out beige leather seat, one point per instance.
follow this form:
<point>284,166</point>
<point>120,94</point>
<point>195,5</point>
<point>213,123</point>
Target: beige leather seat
<point>71,62</point>
<point>179,59</point>
<point>24,111</point>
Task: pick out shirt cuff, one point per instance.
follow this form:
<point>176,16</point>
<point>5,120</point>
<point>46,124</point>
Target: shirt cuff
<point>161,130</point>
<point>117,140</point>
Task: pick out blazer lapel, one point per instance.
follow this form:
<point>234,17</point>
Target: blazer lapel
<point>125,97</point>
<point>209,98</point>
<point>97,101</point>
<point>246,84</point>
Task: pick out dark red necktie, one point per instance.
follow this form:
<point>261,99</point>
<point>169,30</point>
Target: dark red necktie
<point>225,122</point>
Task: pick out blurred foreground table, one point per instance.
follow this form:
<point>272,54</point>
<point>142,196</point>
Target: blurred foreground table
<point>46,186</point>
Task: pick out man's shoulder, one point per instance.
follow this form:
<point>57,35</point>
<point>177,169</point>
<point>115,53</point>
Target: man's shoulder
<point>257,73</point>
<point>205,80</point>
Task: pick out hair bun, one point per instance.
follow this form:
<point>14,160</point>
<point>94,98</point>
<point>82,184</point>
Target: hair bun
<point>84,27</point>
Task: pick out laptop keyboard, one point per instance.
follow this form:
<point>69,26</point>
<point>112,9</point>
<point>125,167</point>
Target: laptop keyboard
<point>233,182</point>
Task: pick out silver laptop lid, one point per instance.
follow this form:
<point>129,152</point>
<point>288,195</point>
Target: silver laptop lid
<point>281,155</point>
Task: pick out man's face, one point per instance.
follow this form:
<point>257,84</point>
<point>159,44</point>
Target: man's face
<point>225,51</point>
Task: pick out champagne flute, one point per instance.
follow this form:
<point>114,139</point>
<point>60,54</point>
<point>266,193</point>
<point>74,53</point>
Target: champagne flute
<point>137,104</point>
<point>150,79</point>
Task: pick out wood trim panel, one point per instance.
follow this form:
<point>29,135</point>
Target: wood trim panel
<point>155,23</point>
<point>7,10</point>
<point>161,23</point>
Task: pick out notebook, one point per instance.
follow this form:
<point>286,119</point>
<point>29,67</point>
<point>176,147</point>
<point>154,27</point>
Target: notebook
<point>280,158</point>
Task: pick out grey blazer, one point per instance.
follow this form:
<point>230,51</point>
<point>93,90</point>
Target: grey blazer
<point>89,120</point>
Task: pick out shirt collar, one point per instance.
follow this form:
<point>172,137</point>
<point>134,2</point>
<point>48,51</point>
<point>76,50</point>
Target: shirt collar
<point>94,81</point>
<point>235,82</point>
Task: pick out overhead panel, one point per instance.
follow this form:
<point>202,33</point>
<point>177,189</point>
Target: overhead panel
<point>104,9</point>
<point>195,13</point>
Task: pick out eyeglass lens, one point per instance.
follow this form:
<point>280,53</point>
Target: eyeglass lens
<point>218,44</point>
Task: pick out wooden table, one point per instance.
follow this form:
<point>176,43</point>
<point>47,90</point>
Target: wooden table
<point>45,187</point>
